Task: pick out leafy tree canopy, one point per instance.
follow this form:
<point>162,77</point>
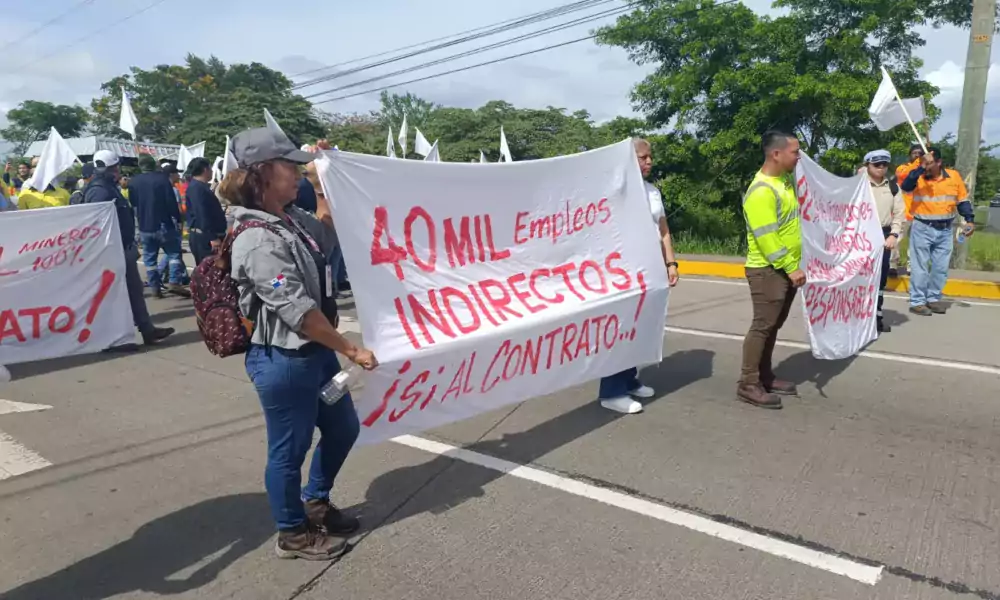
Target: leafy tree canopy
<point>204,100</point>
<point>32,120</point>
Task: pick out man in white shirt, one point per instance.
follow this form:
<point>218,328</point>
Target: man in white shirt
<point>618,392</point>
<point>891,213</point>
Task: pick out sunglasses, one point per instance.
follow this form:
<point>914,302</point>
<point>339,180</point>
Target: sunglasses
<point>881,165</point>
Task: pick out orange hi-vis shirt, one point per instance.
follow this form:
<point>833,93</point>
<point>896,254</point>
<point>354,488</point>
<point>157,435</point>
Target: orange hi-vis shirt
<point>901,173</point>
<point>940,199</point>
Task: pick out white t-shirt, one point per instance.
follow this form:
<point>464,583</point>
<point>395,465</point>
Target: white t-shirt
<point>655,204</point>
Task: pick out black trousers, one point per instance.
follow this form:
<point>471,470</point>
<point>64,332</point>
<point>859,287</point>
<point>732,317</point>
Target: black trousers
<point>201,245</point>
<point>886,253</point>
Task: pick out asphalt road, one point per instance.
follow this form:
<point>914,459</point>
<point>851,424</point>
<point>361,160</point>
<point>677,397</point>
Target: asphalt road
<point>881,481</point>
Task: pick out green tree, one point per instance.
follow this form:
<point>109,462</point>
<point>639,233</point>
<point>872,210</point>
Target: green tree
<point>204,100</point>
<point>32,120</point>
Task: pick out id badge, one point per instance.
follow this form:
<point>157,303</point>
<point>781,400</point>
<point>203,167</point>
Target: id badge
<point>329,282</point>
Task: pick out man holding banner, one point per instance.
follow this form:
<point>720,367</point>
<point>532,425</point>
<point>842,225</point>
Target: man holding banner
<point>774,241</point>
<point>891,212</point>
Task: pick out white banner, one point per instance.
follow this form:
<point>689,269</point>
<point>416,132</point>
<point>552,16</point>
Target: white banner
<point>842,246</point>
<point>478,287</point>
<point>62,283</point>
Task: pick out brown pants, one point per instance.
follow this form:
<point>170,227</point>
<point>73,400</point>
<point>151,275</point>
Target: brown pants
<point>772,294</point>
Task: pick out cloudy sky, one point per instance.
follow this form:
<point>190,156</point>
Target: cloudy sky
<point>67,60</point>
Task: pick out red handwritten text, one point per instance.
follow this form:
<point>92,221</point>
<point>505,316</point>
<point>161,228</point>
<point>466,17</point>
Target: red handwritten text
<point>561,223</point>
<point>847,304</point>
<point>497,301</point>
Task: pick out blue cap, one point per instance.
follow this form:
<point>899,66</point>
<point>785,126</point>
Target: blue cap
<point>88,170</point>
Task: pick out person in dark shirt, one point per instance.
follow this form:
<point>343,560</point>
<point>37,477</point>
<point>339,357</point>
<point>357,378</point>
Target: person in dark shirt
<point>306,196</point>
<point>104,188</point>
<point>159,225</point>
<point>206,219</point>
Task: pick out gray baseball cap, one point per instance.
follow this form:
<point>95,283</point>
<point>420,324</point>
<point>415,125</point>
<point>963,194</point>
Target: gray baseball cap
<point>261,144</point>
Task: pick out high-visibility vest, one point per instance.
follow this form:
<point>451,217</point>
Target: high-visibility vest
<point>902,171</point>
<point>938,199</point>
<point>771,211</point>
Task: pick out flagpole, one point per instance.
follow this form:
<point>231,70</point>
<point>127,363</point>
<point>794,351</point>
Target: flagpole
<point>906,113</point>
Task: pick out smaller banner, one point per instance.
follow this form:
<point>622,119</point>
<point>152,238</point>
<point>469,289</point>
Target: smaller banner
<point>62,283</point>
<point>842,246</point>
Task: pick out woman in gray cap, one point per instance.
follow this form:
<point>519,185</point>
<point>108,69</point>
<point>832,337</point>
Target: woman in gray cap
<point>286,290</point>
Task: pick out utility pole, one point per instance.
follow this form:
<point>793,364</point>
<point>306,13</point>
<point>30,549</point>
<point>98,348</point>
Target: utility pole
<point>970,125</point>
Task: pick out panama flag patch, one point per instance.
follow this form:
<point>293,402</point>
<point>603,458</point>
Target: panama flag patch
<point>278,282</point>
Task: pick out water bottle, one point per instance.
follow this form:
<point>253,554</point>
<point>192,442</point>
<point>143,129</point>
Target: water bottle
<point>961,235</point>
<point>341,383</point>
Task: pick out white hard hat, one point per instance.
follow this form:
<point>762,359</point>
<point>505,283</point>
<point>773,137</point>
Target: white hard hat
<point>105,158</point>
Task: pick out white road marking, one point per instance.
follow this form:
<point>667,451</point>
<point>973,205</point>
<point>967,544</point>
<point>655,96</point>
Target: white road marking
<point>903,358</point>
<point>800,554</point>
<point>15,459</point>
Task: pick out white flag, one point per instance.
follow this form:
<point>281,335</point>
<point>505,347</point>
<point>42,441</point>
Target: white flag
<point>55,158</point>
<point>886,110</point>
<point>504,148</point>
<point>271,123</point>
<point>482,157</point>
<point>188,153</point>
<point>432,154</point>
<point>127,122</point>
<point>402,135</point>
<point>390,146</point>
<point>217,169</point>
<point>229,160</point>
<point>420,144</point>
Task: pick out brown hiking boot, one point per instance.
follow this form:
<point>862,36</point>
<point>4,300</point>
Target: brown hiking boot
<point>308,543</point>
<point>938,308</point>
<point>324,515</point>
<point>755,395</point>
<point>781,388</point>
<point>921,310</point>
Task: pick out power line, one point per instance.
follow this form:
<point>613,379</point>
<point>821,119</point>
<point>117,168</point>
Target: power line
<point>124,19</point>
<point>439,39</point>
<point>54,19</point>
<point>499,60</point>
<point>459,70</point>
<point>545,15</point>
<point>479,50</point>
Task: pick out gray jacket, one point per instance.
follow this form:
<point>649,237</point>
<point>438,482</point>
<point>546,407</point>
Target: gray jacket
<point>277,276</point>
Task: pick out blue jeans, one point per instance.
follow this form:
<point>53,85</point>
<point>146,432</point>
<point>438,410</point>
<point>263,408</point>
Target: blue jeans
<point>167,239</point>
<point>288,384</point>
<point>928,246</point>
<point>619,384</point>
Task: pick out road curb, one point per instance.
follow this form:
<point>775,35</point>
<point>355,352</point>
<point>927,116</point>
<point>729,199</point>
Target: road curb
<point>961,288</point>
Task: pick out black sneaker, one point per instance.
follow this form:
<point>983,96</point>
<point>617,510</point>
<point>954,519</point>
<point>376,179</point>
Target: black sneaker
<point>308,543</point>
<point>327,516</point>
<point>158,334</point>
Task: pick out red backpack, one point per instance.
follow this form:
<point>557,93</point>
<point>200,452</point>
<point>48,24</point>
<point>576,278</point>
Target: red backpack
<point>224,327</point>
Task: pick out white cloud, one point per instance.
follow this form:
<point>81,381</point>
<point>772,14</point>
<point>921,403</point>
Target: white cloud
<point>949,78</point>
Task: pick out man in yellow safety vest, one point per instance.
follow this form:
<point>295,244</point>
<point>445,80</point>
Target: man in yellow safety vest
<point>774,242</point>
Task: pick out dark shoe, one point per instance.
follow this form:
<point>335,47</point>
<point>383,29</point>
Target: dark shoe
<point>327,516</point>
<point>781,388</point>
<point>938,308</point>
<point>882,327</point>
<point>157,292</point>
<point>158,334</point>
<point>755,395</point>
<point>308,543</point>
<point>180,290</point>
<point>921,310</point>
